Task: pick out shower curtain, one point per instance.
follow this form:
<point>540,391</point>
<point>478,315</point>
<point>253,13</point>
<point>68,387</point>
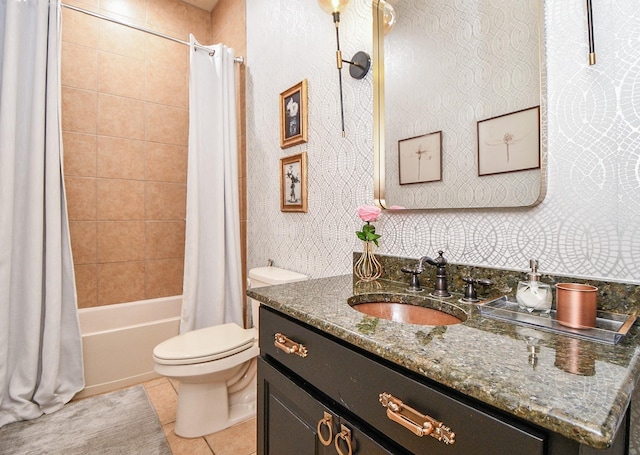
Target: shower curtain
<point>212,286</point>
<point>40,344</point>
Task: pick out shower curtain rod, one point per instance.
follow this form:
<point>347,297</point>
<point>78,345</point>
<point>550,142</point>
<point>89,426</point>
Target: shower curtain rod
<point>238,59</point>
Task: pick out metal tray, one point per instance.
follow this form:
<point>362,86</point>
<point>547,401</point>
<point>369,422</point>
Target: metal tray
<point>610,327</point>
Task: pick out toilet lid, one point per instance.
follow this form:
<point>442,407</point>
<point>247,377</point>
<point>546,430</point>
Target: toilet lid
<point>204,345</point>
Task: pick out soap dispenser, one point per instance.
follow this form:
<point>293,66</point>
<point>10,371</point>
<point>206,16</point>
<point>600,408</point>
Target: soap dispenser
<point>533,295</point>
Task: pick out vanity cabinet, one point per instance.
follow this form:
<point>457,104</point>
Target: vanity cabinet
<point>310,382</point>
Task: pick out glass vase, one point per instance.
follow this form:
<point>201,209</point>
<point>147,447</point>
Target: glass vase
<point>367,268</point>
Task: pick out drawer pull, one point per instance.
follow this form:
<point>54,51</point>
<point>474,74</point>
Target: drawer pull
<point>289,346</point>
<point>328,421</point>
<point>414,421</point>
<point>345,435</point>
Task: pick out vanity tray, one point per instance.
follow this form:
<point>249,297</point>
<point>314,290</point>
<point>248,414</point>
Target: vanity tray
<point>610,327</point>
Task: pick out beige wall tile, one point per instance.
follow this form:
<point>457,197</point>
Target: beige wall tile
<point>120,117</point>
<point>79,154</point>
<point>79,68</point>
<point>98,55</point>
<point>228,25</point>
<point>120,158</point>
<point>162,52</point>
<point>133,9</point>
<point>120,241</point>
<point>121,40</point>
<point>120,200</point>
<point>164,239</point>
<point>81,198</point>
<point>165,201</point>
<point>83,241</point>
<point>80,28</point>
<point>86,285</point>
<point>79,113</point>
<point>199,24</point>
<point>169,16</point>
<point>120,282</point>
<point>167,125</point>
<point>166,163</point>
<point>122,76</point>
<point>164,277</point>
<point>166,86</point>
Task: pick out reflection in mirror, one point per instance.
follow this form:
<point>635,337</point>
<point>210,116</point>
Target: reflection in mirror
<point>458,85</point>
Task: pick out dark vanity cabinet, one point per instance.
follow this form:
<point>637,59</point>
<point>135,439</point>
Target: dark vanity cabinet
<point>320,395</point>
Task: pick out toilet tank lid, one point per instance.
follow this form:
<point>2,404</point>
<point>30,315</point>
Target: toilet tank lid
<point>275,275</point>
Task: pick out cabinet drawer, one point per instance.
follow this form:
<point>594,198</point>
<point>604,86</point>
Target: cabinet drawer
<point>355,381</point>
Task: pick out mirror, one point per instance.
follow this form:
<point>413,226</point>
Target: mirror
<point>459,104</point>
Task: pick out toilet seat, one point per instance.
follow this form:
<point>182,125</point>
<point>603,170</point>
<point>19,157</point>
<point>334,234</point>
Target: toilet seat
<point>204,345</point>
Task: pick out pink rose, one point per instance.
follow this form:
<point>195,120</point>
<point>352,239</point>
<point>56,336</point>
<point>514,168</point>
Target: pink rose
<point>368,213</point>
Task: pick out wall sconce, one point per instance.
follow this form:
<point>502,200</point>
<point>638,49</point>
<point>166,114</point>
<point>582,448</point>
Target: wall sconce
<point>359,64</point>
<point>592,50</point>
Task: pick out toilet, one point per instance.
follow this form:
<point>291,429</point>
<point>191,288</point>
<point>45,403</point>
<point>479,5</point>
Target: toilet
<point>216,367</point>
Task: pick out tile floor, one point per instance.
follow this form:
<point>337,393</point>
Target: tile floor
<point>237,440</point>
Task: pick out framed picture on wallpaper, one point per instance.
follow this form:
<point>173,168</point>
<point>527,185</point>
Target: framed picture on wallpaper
<point>509,143</point>
<point>293,183</point>
<point>293,115</point>
<point>420,158</point>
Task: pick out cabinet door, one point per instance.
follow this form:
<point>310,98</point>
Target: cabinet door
<point>289,419</point>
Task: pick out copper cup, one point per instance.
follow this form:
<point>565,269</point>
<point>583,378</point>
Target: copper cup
<point>576,305</point>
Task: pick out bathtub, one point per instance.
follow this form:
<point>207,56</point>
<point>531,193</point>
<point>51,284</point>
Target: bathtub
<point>118,341</point>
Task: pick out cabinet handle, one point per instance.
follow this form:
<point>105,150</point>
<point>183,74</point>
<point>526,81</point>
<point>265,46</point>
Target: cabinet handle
<point>345,435</point>
<point>328,421</point>
<point>289,346</point>
<point>414,421</point>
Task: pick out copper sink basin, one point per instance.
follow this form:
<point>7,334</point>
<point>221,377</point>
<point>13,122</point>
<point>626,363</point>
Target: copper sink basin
<point>408,309</point>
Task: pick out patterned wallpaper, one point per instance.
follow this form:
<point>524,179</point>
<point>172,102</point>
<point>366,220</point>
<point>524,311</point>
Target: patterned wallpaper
<point>587,226</point>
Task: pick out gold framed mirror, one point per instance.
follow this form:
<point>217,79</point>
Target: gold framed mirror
<point>465,69</point>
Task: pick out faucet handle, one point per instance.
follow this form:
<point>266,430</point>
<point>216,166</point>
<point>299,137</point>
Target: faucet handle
<point>470,294</point>
<point>414,285</point>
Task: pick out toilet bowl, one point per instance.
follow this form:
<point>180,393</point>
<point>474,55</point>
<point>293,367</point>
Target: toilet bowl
<point>216,367</point>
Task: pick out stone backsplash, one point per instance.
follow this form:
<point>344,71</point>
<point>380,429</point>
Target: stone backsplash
<point>612,296</point>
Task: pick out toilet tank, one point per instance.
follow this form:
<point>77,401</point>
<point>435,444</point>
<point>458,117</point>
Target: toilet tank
<point>269,276</point>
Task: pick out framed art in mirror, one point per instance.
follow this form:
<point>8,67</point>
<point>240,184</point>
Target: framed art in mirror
<point>293,183</point>
<point>420,159</point>
<point>293,115</point>
<point>509,143</point>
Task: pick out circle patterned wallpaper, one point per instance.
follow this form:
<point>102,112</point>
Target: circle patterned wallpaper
<point>587,226</point>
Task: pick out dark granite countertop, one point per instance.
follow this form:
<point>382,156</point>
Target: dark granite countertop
<point>577,388</point>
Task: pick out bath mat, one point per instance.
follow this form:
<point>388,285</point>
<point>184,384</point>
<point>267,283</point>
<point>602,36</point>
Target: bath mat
<point>121,422</point>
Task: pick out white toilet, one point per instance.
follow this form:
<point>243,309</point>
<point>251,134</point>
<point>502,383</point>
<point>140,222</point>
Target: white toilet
<point>216,367</point>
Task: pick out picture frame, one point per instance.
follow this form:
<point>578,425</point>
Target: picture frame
<point>509,142</point>
<point>293,183</point>
<point>293,115</point>
<point>420,159</point>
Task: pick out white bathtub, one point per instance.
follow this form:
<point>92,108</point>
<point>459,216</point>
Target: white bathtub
<point>118,341</point>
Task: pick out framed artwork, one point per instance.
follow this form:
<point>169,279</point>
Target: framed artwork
<point>293,115</point>
<point>420,158</point>
<point>509,143</point>
<point>293,183</point>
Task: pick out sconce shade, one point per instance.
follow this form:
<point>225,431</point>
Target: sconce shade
<point>333,6</point>
<point>388,17</point>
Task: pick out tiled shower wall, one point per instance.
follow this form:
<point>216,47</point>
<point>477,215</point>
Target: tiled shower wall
<point>589,222</point>
<point>125,130</point>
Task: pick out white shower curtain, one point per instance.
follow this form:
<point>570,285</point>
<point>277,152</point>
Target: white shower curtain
<point>40,345</point>
<point>212,288</point>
